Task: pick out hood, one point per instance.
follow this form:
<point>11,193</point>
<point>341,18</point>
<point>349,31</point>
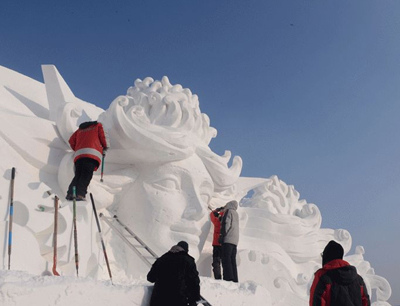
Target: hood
<point>232,205</point>
<point>340,271</point>
<point>85,125</point>
<point>344,275</point>
<point>176,249</point>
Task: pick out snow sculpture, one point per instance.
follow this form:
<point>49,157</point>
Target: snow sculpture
<point>161,176</point>
<point>282,239</point>
<point>158,128</point>
<point>158,131</point>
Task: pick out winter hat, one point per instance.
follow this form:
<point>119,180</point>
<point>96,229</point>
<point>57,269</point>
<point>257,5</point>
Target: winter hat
<point>333,250</point>
<point>184,245</point>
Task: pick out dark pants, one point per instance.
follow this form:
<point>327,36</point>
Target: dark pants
<point>84,168</point>
<point>229,262</point>
<point>216,264</point>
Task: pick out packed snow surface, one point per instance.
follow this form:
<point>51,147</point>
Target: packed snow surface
<point>20,288</point>
<point>160,179</point>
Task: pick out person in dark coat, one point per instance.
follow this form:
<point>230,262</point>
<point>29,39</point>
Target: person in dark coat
<point>337,283</point>
<point>175,277</point>
<point>216,217</point>
<point>88,142</point>
<point>229,239</point>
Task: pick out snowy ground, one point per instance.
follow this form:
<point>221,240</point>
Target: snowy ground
<point>20,288</point>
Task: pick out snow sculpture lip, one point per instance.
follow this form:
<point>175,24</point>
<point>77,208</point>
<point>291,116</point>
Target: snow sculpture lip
<point>193,239</point>
<point>186,228</point>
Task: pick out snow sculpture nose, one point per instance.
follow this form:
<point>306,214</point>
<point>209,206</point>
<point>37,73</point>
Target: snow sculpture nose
<point>195,210</point>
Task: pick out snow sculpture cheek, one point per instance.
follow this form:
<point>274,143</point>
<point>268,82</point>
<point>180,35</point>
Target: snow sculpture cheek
<point>168,203</point>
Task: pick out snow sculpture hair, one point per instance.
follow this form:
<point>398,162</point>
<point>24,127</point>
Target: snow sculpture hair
<point>156,129</point>
<point>171,106</point>
<point>158,122</point>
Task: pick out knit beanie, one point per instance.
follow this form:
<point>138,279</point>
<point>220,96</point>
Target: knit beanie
<point>333,250</point>
<point>184,245</point>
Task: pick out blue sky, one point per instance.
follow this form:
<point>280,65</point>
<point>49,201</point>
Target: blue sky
<point>307,90</point>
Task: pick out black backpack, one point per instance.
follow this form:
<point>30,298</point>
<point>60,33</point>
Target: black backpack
<point>345,292</point>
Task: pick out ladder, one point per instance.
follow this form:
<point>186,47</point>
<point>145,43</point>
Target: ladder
<point>136,248</point>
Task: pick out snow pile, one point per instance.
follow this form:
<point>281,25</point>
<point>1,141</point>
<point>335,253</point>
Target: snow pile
<point>160,178</point>
<point>20,288</point>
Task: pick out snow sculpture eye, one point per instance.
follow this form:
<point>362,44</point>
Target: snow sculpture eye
<point>169,183</point>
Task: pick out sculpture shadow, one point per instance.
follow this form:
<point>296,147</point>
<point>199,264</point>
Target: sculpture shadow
<point>34,107</point>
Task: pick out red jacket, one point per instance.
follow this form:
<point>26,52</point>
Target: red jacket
<point>340,280</point>
<point>217,225</point>
<point>89,141</point>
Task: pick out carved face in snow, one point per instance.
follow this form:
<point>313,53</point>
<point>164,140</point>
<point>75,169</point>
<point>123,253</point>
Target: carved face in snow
<point>168,203</point>
<point>159,128</point>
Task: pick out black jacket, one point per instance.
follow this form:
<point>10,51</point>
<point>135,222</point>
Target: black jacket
<point>176,279</point>
<point>338,284</point>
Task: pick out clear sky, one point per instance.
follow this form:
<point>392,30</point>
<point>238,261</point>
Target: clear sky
<point>307,90</point>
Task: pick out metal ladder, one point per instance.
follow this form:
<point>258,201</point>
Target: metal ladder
<point>142,246</point>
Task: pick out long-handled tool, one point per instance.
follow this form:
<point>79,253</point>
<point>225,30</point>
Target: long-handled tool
<point>102,167</point>
<point>142,250</point>
<point>75,231</point>
<point>55,236</point>
<point>101,237</point>
<point>11,216</point>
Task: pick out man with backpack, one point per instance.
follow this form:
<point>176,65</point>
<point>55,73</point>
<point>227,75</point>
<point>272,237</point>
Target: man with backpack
<point>176,278</point>
<point>337,282</point>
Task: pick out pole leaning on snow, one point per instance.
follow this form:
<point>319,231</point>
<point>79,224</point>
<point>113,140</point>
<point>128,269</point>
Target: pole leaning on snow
<point>102,167</point>
<point>75,231</point>
<point>101,237</point>
<point>11,216</point>
<point>55,236</point>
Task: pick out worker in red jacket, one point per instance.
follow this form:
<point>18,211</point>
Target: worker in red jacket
<point>337,283</point>
<point>89,142</point>
<point>216,216</point>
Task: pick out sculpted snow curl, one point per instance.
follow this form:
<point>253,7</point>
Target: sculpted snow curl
<point>171,106</point>
<point>288,230</point>
<point>158,131</point>
<point>158,122</point>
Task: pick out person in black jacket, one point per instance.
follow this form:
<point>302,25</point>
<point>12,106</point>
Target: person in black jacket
<point>175,277</point>
<point>337,283</point>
